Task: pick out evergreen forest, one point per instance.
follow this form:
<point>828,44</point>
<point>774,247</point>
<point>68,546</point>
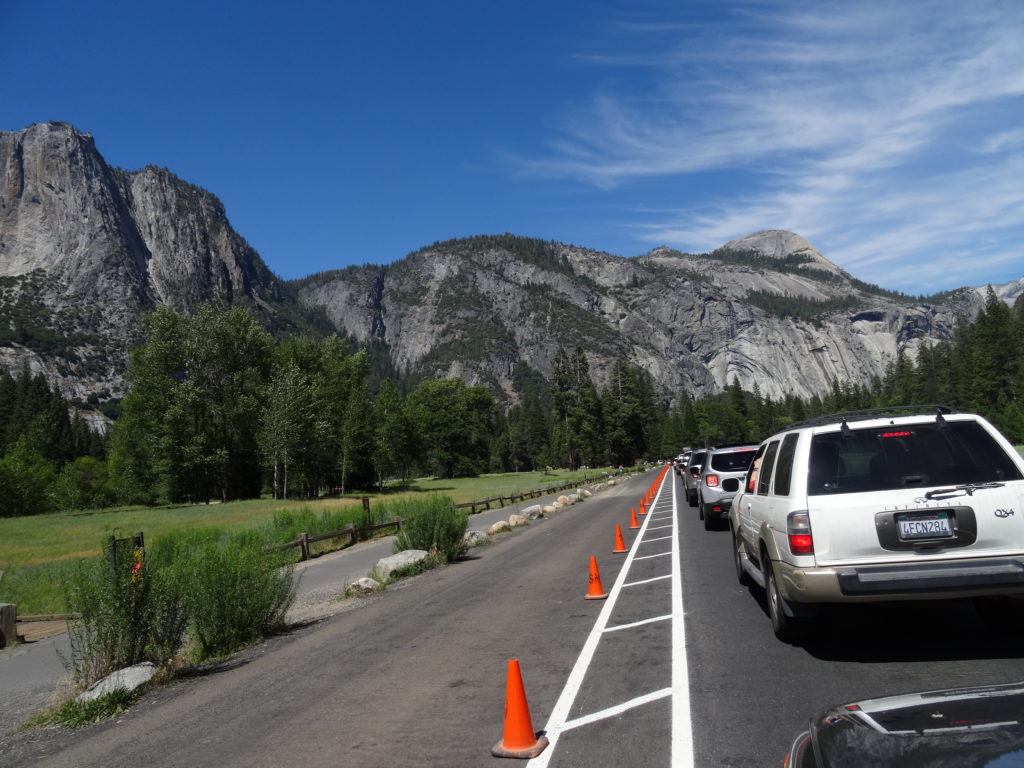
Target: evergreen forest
<point>220,410</point>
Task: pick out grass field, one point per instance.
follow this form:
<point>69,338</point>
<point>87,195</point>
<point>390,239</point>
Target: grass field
<point>35,550</point>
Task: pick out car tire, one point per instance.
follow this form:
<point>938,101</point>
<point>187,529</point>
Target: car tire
<point>710,523</point>
<point>737,553</point>
<point>788,629</point>
<point>691,498</point>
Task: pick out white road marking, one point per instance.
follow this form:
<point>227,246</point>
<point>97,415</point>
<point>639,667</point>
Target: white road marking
<point>682,733</point>
<point>618,709</point>
<point>617,627</point>
<point>647,581</point>
<point>682,726</point>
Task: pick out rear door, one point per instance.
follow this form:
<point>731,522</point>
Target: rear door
<point>887,492</point>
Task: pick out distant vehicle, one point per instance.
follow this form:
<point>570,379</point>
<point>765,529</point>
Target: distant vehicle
<point>720,479</point>
<point>977,726</point>
<point>679,462</point>
<point>691,475</point>
<point>880,505</point>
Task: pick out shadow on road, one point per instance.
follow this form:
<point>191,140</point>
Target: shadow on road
<point>938,630</point>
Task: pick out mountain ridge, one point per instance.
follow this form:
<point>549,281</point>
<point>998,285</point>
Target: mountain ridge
<point>86,250</point>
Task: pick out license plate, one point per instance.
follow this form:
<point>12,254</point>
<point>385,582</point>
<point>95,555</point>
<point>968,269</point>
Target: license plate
<point>929,527</point>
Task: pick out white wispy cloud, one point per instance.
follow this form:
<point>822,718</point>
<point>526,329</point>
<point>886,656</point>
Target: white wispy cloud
<point>886,133</point>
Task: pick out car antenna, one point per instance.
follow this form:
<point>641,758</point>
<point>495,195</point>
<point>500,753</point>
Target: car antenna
<point>845,430</point>
<point>940,419</point>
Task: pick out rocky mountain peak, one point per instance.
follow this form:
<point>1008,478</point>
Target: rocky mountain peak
<point>784,246</point>
<point>86,249</point>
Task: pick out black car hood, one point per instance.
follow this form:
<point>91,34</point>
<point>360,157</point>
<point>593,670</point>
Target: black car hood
<point>963,727</point>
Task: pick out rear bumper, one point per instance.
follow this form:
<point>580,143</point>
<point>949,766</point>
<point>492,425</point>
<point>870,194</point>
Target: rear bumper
<point>904,581</point>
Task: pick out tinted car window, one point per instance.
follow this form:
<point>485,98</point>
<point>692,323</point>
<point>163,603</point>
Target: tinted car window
<point>752,473</point>
<point>890,457</point>
<point>732,461</point>
<point>784,473</point>
<point>764,481</point>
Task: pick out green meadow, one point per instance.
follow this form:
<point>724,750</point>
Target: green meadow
<point>35,550</point>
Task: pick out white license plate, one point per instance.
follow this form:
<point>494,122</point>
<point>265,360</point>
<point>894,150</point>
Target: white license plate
<point>925,527</point>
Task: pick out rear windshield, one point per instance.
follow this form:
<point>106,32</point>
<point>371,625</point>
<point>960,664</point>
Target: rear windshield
<point>697,459</point>
<point>733,461</point>
<point>918,455</point>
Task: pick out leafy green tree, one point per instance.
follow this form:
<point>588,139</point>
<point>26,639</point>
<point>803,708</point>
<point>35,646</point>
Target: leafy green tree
<point>188,429</point>
<point>82,484</point>
<point>454,424</point>
<point>25,481</point>
<point>285,422</point>
<point>392,434</point>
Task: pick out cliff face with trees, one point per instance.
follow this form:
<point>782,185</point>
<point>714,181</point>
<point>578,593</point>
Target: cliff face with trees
<point>87,250</point>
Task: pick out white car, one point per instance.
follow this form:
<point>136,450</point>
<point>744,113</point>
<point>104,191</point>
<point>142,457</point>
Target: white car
<point>872,506</point>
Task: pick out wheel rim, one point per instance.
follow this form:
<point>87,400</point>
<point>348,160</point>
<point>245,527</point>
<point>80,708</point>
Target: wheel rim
<point>773,595</point>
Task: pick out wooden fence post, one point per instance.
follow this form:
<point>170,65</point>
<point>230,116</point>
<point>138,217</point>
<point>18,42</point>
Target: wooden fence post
<point>8,623</point>
<point>352,533</point>
<point>112,555</point>
<point>366,510</point>
<point>304,545</point>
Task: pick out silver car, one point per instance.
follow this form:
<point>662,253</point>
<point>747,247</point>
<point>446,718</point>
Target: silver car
<point>720,479</point>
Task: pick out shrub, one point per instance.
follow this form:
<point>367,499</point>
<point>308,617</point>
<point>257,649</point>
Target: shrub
<point>432,524</point>
<point>239,590</point>
<point>131,610</point>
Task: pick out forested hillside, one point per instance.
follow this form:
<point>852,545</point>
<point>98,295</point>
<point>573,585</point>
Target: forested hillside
<point>220,410</point>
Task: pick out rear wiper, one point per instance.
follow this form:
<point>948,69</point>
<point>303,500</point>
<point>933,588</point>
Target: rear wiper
<point>959,490</point>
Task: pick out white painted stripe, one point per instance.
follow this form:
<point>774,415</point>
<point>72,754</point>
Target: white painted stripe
<point>617,627</point>
<point>650,557</point>
<point>682,725</point>
<point>660,538</point>
<point>560,713</point>
<point>647,581</point>
<point>618,709</point>
<point>660,527</point>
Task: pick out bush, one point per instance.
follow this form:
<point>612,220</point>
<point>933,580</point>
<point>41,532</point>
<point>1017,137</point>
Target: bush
<point>131,610</point>
<point>25,480</point>
<point>432,524</point>
<point>239,590</point>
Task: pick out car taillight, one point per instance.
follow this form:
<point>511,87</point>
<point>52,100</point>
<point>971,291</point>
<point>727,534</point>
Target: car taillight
<point>798,528</point>
<point>711,481</point>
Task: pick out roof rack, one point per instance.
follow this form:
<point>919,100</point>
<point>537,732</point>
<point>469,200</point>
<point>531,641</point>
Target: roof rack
<point>874,413</point>
<point>720,446</point>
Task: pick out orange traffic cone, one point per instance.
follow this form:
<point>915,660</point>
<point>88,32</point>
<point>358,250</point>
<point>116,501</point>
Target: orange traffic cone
<point>518,738</point>
<point>620,545</point>
<point>633,523</point>
<point>643,509</point>
<point>595,591</point>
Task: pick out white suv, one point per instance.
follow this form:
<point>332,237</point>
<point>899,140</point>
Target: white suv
<point>871,506</point>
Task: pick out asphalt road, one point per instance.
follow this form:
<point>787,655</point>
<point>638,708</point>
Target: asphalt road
<point>417,676</point>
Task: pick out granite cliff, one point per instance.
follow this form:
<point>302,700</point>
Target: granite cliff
<point>86,250</point>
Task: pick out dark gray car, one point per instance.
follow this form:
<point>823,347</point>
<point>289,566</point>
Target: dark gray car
<point>691,476</point>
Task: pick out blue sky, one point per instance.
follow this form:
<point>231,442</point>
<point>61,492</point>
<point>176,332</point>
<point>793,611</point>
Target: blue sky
<point>889,134</point>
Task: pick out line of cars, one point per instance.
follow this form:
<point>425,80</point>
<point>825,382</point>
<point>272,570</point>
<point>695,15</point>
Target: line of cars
<point>884,505</point>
